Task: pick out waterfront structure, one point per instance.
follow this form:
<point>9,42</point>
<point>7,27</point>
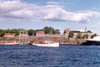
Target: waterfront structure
<point>9,35</point>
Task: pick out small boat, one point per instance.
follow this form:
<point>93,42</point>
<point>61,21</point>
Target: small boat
<point>11,43</point>
<point>94,41</point>
<point>47,44</point>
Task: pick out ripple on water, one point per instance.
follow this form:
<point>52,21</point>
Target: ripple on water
<point>64,56</point>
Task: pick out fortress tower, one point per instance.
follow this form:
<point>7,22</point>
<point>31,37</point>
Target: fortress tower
<point>85,29</point>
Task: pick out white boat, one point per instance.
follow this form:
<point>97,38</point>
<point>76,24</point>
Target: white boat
<point>94,41</point>
<point>11,43</point>
<point>51,44</point>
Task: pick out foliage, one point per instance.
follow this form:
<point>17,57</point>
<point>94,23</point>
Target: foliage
<point>85,36</point>
<point>16,31</point>
<point>2,33</point>
<point>93,35</point>
<point>38,30</point>
<point>79,35</point>
<point>30,32</point>
<point>48,30</point>
<point>57,31</point>
<point>71,34</point>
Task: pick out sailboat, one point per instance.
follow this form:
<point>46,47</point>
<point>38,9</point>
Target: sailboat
<point>51,44</point>
<point>47,43</point>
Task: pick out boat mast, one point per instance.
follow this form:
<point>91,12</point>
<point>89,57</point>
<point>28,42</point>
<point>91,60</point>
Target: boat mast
<point>51,29</point>
<point>19,34</point>
<point>43,29</point>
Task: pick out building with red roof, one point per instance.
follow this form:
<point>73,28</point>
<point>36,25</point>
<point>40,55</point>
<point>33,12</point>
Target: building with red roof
<point>9,35</point>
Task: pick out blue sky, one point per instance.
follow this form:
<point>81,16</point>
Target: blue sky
<point>29,14</point>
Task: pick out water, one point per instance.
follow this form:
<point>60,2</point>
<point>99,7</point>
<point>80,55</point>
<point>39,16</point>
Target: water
<point>64,56</point>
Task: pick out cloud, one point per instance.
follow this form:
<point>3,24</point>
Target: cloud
<point>60,14</point>
<point>27,11</point>
<point>98,23</point>
<point>52,2</point>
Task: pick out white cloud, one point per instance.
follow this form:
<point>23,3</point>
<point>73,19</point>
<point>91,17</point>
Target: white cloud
<point>21,10</point>
<point>98,23</point>
<point>60,14</point>
<point>52,2</point>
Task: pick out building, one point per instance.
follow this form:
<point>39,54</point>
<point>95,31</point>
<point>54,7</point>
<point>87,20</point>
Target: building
<point>88,32</point>
<point>66,32</point>
<point>85,32</point>
<point>23,36</point>
<point>39,33</point>
<point>9,35</point>
<point>76,33</point>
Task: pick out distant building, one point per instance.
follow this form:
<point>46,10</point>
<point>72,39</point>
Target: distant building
<point>39,33</point>
<point>23,36</point>
<point>9,35</point>
<point>75,33</point>
<point>88,32</point>
<point>66,32</point>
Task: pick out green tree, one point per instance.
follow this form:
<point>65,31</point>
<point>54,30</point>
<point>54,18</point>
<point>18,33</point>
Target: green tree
<point>57,31</point>
<point>38,30</point>
<point>7,31</point>
<point>30,32</point>
<point>48,30</point>
<point>85,36</point>
<point>53,31</point>
<point>16,31</point>
<point>71,34</point>
<point>93,35</point>
<point>2,33</point>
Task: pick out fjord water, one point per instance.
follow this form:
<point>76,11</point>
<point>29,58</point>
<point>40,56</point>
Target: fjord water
<point>63,56</point>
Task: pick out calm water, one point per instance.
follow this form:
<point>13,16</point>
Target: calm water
<point>64,56</point>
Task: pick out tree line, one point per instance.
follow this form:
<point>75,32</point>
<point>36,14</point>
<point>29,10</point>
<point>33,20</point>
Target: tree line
<point>30,31</point>
<point>47,30</point>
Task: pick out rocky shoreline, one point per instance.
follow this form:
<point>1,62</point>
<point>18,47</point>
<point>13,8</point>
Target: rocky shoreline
<point>61,40</point>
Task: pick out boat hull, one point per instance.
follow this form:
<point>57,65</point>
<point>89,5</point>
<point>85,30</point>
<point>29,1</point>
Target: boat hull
<point>47,45</point>
<point>93,42</point>
<point>11,43</point>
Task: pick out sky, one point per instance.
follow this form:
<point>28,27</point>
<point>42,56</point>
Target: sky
<point>60,14</point>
